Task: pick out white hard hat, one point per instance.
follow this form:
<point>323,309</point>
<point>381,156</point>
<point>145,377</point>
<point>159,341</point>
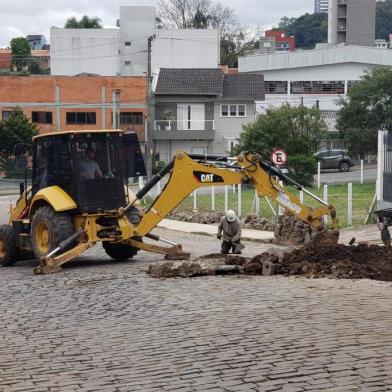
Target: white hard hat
<point>230,215</point>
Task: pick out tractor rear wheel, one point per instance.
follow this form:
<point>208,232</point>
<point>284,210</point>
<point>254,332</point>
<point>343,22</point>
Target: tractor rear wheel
<point>9,252</point>
<point>119,251</point>
<point>48,229</point>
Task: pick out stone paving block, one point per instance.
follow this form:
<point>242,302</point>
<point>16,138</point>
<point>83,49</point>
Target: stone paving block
<point>108,326</point>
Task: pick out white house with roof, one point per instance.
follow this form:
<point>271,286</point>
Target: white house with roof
<point>319,77</point>
<point>202,110</point>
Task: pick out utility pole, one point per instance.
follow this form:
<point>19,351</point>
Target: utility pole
<point>116,109</point>
<point>150,109</point>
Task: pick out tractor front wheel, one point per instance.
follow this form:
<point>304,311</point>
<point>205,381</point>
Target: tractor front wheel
<point>119,251</point>
<point>48,229</point>
<point>9,252</point>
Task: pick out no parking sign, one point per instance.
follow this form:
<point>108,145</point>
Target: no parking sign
<point>279,157</point>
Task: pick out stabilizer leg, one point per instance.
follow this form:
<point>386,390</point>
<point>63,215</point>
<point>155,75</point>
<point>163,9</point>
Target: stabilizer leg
<point>50,265</point>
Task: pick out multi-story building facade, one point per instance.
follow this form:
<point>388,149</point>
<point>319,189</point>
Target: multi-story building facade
<point>352,22</point>
<point>314,78</point>
<point>202,110</point>
<point>320,6</point>
<point>73,103</point>
<point>124,50</point>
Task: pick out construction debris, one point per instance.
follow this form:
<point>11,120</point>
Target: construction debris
<point>256,222</point>
<point>213,264</point>
<point>196,217</point>
<point>292,231</point>
<point>250,221</point>
<point>338,261</point>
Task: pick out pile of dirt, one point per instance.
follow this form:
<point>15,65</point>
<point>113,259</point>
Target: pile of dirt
<point>196,217</point>
<point>339,261</point>
<point>251,221</point>
<point>256,222</point>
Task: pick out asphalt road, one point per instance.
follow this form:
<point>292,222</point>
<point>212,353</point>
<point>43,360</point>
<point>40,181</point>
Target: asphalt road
<point>331,177</point>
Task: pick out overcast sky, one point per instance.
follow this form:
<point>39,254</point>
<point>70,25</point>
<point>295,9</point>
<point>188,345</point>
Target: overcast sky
<point>22,17</point>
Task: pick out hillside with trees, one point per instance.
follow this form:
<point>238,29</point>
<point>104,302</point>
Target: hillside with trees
<point>310,29</point>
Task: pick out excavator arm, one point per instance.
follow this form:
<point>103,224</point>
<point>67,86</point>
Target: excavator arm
<point>190,172</point>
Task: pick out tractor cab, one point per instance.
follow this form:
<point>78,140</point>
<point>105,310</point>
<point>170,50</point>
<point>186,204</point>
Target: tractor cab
<point>92,167</point>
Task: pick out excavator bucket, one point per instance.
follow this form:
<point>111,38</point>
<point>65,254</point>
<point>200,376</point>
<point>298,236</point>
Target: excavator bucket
<point>324,238</point>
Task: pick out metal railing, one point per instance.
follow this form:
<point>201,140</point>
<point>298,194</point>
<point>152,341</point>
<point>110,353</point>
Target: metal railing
<point>184,125</point>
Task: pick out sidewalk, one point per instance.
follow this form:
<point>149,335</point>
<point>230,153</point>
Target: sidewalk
<point>198,228</point>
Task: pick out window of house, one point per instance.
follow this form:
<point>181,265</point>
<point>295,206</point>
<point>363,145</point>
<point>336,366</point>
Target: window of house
<point>41,117</point>
<point>233,110</point>
<point>275,87</point>
<point>128,43</point>
<point>81,118</point>
<point>317,87</point>
<point>128,63</point>
<point>131,118</point>
<point>5,114</point>
<point>225,110</point>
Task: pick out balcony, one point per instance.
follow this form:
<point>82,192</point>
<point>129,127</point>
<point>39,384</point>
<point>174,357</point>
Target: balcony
<point>184,130</point>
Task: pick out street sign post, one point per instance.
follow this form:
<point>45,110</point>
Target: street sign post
<point>279,157</point>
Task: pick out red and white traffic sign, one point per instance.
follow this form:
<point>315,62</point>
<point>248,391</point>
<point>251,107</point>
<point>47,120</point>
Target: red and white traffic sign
<point>279,157</point>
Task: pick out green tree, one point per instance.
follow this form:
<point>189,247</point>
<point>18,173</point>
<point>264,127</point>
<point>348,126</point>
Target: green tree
<point>384,19</point>
<point>367,109</point>
<point>16,129</point>
<point>299,130</point>
<point>21,52</point>
<point>84,23</point>
<point>308,29</point>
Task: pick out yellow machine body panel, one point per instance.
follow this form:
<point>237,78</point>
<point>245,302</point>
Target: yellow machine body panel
<point>56,197</point>
<point>20,206</point>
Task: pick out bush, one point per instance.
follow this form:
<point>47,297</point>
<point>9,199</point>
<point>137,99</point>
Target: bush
<point>159,165</point>
<point>302,168</point>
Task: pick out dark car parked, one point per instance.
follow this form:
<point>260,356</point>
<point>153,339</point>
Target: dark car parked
<point>334,159</point>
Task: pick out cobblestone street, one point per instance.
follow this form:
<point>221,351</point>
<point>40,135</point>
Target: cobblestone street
<point>106,326</point>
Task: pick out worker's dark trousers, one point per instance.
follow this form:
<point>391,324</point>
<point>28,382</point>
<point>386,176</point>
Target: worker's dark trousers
<point>228,246</point>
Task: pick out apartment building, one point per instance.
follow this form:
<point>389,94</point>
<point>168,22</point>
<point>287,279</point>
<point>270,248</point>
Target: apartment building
<point>320,6</point>
<point>85,102</point>
<point>352,22</point>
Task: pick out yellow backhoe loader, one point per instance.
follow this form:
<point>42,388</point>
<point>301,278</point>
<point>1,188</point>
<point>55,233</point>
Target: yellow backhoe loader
<point>80,197</point>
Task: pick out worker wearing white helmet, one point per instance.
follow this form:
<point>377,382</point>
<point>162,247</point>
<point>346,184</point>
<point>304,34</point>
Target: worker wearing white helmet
<point>230,226</point>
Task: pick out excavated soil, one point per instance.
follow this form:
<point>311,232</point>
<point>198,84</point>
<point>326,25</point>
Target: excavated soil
<point>339,261</point>
<point>250,221</point>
